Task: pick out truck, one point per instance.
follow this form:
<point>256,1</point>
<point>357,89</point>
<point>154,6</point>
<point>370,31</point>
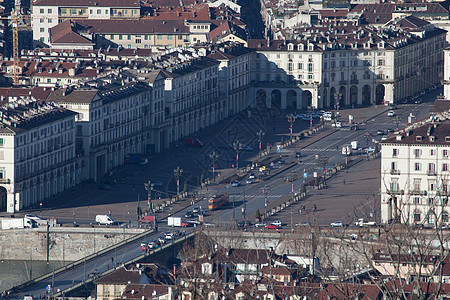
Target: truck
<point>176,222</point>
<point>193,142</point>
<point>362,223</point>
<point>355,145</point>
<point>13,223</point>
<point>104,220</point>
<point>217,201</point>
<point>133,158</point>
<point>347,150</point>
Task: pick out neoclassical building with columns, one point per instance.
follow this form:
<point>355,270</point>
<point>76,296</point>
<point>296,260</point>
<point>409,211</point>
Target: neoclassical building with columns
<point>347,64</point>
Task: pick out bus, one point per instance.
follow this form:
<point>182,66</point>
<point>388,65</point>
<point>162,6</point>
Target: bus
<point>218,201</point>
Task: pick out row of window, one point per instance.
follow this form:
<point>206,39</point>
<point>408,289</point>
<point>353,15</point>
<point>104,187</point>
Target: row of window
<point>147,37</point>
<point>418,152</point>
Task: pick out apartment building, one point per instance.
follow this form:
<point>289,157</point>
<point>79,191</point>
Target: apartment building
<point>235,75</point>
<point>129,34</point>
<point>192,95</point>
<point>346,64</point>
<point>37,155</point>
<point>113,120</point>
<point>415,175</point>
<point>47,13</point>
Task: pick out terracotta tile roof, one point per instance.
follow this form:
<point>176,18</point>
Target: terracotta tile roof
<point>382,13</point>
<point>333,13</point>
<point>225,28</point>
<point>146,291</point>
<point>63,34</point>
<point>99,3</point>
<point>75,96</point>
<point>52,69</point>
<point>427,134</point>
<point>40,93</point>
<point>276,271</point>
<point>144,26</point>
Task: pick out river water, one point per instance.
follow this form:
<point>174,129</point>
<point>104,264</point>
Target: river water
<point>15,272</point>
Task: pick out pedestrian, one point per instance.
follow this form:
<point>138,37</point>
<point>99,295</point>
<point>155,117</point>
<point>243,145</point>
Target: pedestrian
<point>112,261</point>
<point>344,181</point>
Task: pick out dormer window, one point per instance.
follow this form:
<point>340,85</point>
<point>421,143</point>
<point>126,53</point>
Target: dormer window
<point>447,139</point>
<point>419,138</point>
<point>432,138</point>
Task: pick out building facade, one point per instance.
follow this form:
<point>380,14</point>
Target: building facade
<point>346,64</point>
<point>37,159</point>
<point>415,175</point>
<point>45,14</point>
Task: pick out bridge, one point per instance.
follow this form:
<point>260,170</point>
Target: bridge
<point>62,281</point>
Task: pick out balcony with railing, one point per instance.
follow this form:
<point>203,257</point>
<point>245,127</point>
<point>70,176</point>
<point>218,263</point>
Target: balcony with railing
<point>395,172</point>
<point>418,192</point>
<point>395,192</point>
<point>431,173</point>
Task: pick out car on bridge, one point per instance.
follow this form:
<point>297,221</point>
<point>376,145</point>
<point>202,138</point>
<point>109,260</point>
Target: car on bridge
<point>271,226</point>
<point>277,223</point>
<point>336,224</point>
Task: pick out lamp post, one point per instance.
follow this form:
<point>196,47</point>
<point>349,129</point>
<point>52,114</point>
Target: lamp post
<point>260,135</point>
<point>322,162</point>
<point>177,173</point>
<point>149,188</point>
<point>291,120</point>
<point>265,190</point>
<point>337,99</point>
<point>213,156</point>
<point>367,139</point>
<point>237,147</point>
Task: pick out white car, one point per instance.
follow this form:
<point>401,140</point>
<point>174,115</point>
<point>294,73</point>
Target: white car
<point>337,124</point>
<point>249,181</point>
<point>260,224</point>
<point>251,176</point>
<point>277,223</point>
<point>391,113</point>
<point>336,224</point>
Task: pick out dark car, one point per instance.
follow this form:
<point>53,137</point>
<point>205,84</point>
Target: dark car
<point>298,154</point>
<point>354,128</point>
<point>189,214</point>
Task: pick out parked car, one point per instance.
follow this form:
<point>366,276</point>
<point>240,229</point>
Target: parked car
<point>336,224</point>
<point>277,223</point>
<point>336,124</point>
<point>236,183</point>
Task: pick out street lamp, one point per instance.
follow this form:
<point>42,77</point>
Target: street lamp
<point>367,139</point>
<point>260,135</point>
<point>337,99</point>
<point>213,156</point>
<point>265,190</point>
<point>177,173</point>
<point>322,162</point>
<point>291,120</point>
<point>149,188</point>
<point>237,147</point>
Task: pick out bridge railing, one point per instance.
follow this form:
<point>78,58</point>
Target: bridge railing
<point>134,260</point>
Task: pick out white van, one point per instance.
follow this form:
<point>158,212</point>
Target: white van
<point>104,220</point>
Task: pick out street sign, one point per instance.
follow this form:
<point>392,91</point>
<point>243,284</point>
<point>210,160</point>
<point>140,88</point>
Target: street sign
<point>278,148</point>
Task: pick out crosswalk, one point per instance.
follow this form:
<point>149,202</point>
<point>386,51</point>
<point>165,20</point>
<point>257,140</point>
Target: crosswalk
<point>320,149</point>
